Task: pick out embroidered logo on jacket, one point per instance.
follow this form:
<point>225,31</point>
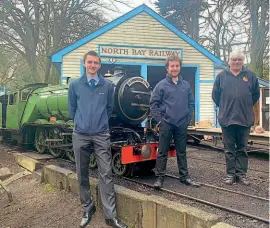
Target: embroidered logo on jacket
<point>245,79</point>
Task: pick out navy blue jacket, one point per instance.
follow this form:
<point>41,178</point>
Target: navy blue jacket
<point>172,102</point>
<point>235,97</point>
<point>90,109</point>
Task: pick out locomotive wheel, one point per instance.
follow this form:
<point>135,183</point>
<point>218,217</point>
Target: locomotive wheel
<point>117,166</point>
<point>40,137</point>
<point>55,134</point>
<point>93,161</point>
<point>70,154</point>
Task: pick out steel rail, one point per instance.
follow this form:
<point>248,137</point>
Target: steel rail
<point>212,147</point>
<point>220,163</point>
<point>201,201</point>
<point>225,189</point>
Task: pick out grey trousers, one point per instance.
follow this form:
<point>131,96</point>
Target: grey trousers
<point>101,144</point>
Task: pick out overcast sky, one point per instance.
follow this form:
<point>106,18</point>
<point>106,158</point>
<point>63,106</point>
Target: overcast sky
<point>134,3</point>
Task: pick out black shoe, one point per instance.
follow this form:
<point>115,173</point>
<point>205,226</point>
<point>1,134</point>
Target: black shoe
<point>159,182</point>
<point>190,182</point>
<point>115,223</point>
<point>243,180</point>
<point>229,180</point>
<point>87,216</point>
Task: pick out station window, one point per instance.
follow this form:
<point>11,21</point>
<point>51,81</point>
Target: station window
<point>25,93</point>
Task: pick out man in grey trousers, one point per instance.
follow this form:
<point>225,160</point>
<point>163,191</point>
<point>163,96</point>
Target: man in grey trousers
<point>90,105</point>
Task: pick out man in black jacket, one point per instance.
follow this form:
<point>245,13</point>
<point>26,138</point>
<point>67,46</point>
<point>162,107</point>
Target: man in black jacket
<point>235,92</point>
<point>172,105</point>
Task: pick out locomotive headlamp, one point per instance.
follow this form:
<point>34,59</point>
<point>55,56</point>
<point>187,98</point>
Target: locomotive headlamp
<point>146,151</point>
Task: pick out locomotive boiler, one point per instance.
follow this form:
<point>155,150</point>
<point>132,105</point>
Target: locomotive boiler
<point>38,115</point>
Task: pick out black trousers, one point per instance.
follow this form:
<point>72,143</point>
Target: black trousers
<point>235,139</point>
<point>179,134</point>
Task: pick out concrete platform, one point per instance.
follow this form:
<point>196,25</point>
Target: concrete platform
<point>39,157</point>
<point>137,209</point>
<point>223,225</point>
<point>27,162</point>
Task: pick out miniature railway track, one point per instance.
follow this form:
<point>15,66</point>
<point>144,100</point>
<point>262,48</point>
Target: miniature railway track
<point>225,189</point>
<point>220,163</point>
<point>220,148</point>
<point>202,201</point>
<point>265,220</point>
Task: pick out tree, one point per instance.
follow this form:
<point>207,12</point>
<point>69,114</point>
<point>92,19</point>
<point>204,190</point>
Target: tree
<point>19,26</point>
<point>14,71</point>
<point>222,27</point>
<point>184,14</point>
<point>36,28</point>
<point>63,23</point>
<point>259,18</point>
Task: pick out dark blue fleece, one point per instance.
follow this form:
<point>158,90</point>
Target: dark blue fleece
<point>235,97</point>
<point>172,102</point>
<point>90,109</point>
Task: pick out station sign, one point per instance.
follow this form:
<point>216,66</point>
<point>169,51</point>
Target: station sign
<point>138,52</point>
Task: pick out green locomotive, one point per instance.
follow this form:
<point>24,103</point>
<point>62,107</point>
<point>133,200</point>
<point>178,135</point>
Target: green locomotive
<point>38,115</point>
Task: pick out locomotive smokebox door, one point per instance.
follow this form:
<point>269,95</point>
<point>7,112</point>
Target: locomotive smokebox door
<point>133,100</point>
<point>132,96</point>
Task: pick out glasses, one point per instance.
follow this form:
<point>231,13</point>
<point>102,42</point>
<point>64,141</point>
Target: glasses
<point>95,62</point>
<point>235,59</point>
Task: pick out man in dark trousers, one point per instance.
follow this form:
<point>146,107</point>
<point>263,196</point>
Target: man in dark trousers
<point>235,92</point>
<point>90,105</point>
<point>172,106</point>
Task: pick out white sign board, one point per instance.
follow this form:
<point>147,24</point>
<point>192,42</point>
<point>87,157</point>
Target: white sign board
<point>138,52</point>
<point>267,100</point>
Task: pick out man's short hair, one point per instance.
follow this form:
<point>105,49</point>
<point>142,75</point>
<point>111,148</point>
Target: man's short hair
<point>92,53</point>
<point>173,58</point>
<point>237,54</point>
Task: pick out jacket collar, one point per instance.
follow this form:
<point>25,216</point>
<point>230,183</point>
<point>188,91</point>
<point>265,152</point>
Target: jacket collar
<point>101,81</point>
<point>242,71</point>
<point>169,79</point>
